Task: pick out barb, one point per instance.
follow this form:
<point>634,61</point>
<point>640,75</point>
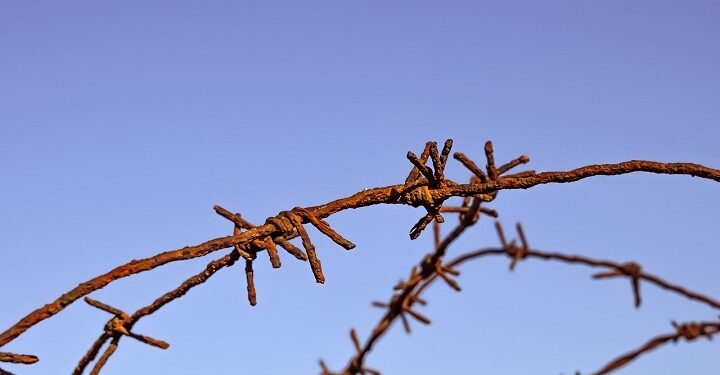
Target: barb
<point>469,164</point>
<point>122,323</point>
<point>414,173</point>
<point>630,269</point>
<point>421,166</point>
<point>290,225</point>
<point>250,279</point>
<point>118,326</point>
<point>490,167</point>
<point>425,194</point>
<point>324,228</point>
<point>18,358</point>
<point>522,159</point>
<point>439,165</point>
<point>315,264</point>
<point>421,195</point>
<point>516,253</point>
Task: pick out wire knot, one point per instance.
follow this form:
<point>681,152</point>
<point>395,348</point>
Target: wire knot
<point>515,252</point>
<point>633,271</point>
<point>121,324</point>
<point>419,196</point>
<point>116,325</point>
<point>419,184</point>
<point>689,331</point>
<point>512,250</point>
<point>282,222</point>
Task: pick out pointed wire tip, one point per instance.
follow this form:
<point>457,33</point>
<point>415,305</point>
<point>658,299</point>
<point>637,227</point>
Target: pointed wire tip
<point>355,340</point>
<point>490,212</point>
<point>521,234</point>
<point>26,359</point>
<point>450,282</point>
<point>221,211</point>
<point>446,150</point>
<point>419,317</point>
<point>501,235</point>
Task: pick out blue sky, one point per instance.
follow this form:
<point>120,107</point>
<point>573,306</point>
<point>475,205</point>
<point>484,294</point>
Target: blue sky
<point>122,124</point>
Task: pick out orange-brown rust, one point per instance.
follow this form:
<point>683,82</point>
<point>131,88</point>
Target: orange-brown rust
<point>429,187</point>
<point>409,291</point>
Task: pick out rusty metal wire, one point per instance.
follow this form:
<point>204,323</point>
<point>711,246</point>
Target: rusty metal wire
<point>426,187</point>
<point>408,292</point>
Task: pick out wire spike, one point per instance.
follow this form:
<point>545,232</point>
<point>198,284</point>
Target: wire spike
<point>249,276</point>
<point>315,264</point>
<point>324,228</point>
<point>422,168</point>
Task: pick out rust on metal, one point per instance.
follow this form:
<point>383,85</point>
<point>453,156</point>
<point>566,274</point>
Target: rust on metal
<point>425,186</point>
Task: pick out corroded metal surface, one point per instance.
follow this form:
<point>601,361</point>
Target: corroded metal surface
<point>426,187</point>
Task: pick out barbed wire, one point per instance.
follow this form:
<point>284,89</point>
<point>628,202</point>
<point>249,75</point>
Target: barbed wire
<point>408,293</point>
<point>424,187</point>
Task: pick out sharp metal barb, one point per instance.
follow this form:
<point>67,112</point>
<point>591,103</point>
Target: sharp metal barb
<point>501,235</point>
<point>290,248</point>
<point>414,173</point>
<point>17,358</point>
<point>355,340</point>
<point>315,264</point>
<point>437,165</point>
<point>419,317</point>
<point>250,279</point>
<point>491,171</point>
<point>422,168</point>
<point>469,164</point>
<point>421,225</point>
<point>405,323</point>
<point>104,307</point>
<point>324,228</point>
<point>512,164</point>
<point>272,252</point>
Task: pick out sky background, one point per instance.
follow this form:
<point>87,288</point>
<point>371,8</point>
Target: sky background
<point>122,124</point>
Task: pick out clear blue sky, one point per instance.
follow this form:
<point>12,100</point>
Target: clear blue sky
<point>122,124</point>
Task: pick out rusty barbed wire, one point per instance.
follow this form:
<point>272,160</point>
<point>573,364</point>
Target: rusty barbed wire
<point>247,251</point>
<point>689,331</point>
<point>424,187</point>
<point>118,326</point>
<point>127,323</point>
<point>409,291</point>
